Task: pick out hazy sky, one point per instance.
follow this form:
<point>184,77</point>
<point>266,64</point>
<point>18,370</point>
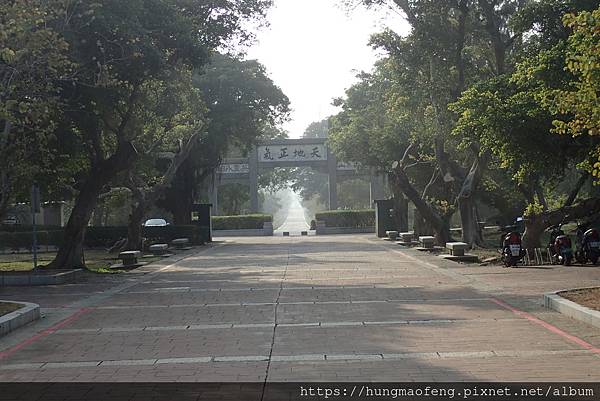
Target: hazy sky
<point>313,50</point>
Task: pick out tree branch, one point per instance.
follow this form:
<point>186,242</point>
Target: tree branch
<point>573,195</point>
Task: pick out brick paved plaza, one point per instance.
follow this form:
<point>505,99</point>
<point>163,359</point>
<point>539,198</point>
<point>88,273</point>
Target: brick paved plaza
<point>339,308</point>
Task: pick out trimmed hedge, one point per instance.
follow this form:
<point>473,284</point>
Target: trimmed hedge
<point>198,235</point>
<point>19,228</point>
<point>347,218</point>
<point>105,236</point>
<point>246,222</point>
<point>97,236</point>
<point>21,239</point>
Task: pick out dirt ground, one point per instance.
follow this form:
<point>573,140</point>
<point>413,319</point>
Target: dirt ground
<point>7,307</point>
<point>588,297</point>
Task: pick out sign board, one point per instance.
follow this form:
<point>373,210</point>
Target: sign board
<point>352,166</point>
<point>292,153</point>
<point>234,168</point>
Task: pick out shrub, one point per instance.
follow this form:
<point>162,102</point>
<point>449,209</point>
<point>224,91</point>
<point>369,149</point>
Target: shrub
<point>198,235</point>
<point>250,221</point>
<point>347,218</point>
<point>98,236</point>
<point>104,237</point>
<point>18,228</point>
<point>24,239</point>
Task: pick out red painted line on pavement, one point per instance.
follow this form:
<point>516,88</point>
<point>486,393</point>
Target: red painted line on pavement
<point>548,326</point>
<point>42,334</point>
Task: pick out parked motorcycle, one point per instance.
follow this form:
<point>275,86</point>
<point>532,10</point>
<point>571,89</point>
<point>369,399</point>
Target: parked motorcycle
<point>512,249</point>
<point>560,246</point>
<point>588,245</point>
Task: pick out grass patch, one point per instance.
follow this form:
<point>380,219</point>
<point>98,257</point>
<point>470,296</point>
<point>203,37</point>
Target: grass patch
<point>22,261</point>
<point>7,307</point>
<point>97,261</point>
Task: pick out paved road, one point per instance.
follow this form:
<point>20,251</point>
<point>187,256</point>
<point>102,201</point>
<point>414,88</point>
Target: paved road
<point>340,308</point>
<point>295,221</point>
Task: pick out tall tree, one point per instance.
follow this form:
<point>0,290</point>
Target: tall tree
<point>33,60</point>
<point>578,105</point>
<point>120,48</point>
<point>173,122</point>
<point>244,106</point>
<point>512,117</point>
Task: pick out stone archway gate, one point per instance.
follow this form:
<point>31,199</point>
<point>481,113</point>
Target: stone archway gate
<point>306,152</point>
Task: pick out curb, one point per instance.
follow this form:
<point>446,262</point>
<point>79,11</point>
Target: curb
<point>569,308</point>
<point>32,279</point>
<point>18,318</point>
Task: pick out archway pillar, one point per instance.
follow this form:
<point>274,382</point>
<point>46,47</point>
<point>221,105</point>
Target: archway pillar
<point>332,172</point>
<point>214,195</point>
<point>253,175</point>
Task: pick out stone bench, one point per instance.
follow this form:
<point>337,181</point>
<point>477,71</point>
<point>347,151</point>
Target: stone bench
<point>392,235</point>
<point>427,241</point>
<point>407,237</point>
<point>181,243</point>
<point>158,249</point>
<point>130,258</point>
<point>457,248</point>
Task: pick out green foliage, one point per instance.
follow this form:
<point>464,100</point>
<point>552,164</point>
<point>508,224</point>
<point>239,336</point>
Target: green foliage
<point>578,106</point>
<point>233,199</point>
<point>506,118</point>
<point>317,129</point>
<point>347,218</point>
<point>244,106</point>
<point>307,182</point>
<point>251,221</point>
<point>533,209</point>
<point>513,116</point>
<point>369,130</point>
<point>243,102</point>
<point>33,59</point>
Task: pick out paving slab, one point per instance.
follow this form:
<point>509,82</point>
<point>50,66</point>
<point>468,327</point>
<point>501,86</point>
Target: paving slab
<point>341,308</point>
<point>162,316</point>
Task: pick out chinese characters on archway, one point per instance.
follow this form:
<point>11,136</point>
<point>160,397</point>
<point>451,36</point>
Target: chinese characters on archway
<point>282,153</point>
<point>234,168</point>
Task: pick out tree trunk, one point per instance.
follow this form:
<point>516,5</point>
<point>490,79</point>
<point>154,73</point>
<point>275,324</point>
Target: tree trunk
<point>136,217</point>
<point>573,195</point>
<point>421,226</point>
<point>493,29</point>
<point>539,191</point>
<point>70,253</point>
<point>178,198</point>
<point>5,187</point>
<point>143,200</point>
<point>4,196</point>
<point>440,225</point>
<point>99,212</point>
<point>534,229</point>
<point>535,225</point>
<point>400,210</point>
<point>471,232</point>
